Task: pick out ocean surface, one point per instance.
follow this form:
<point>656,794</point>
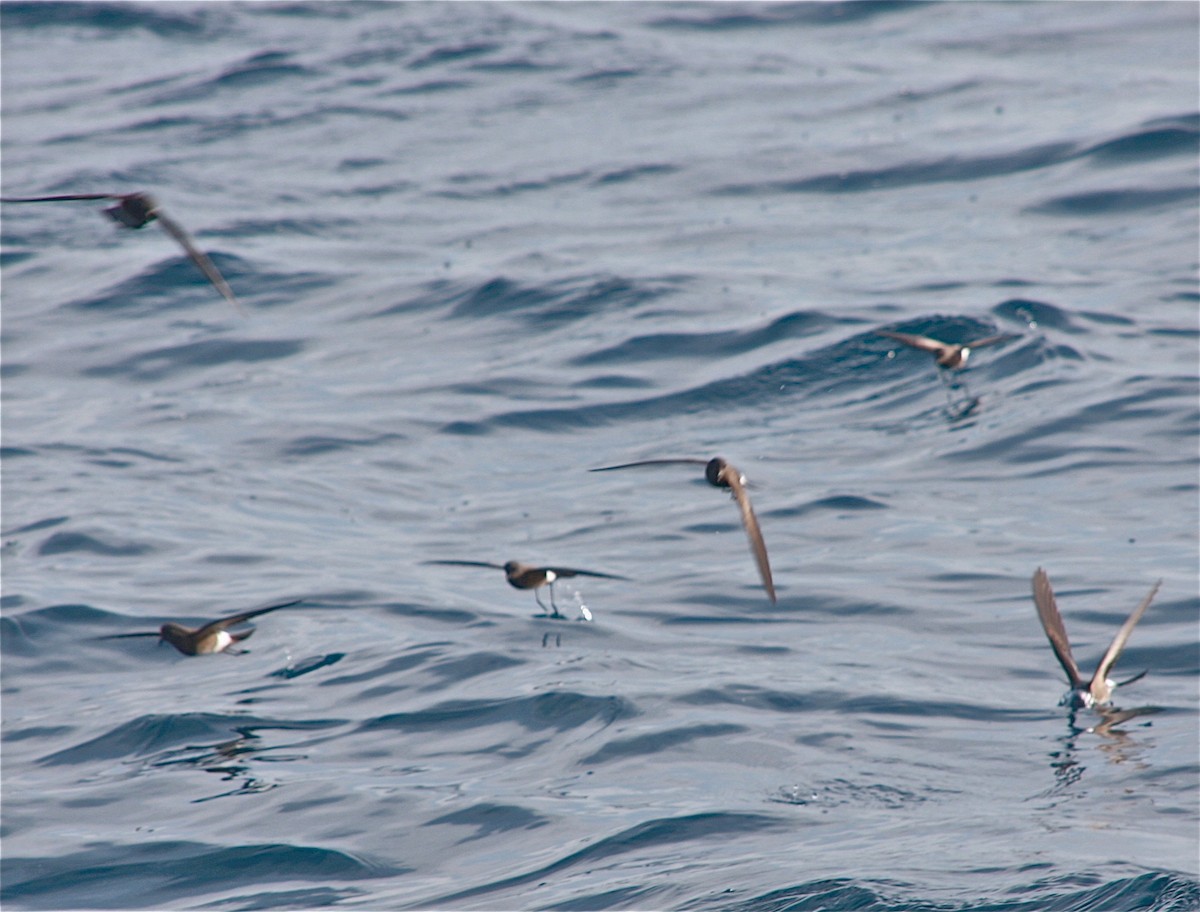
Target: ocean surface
<point>483,248</point>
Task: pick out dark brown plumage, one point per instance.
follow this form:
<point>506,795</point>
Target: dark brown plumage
<point>951,356</point>
<point>211,638</point>
<point>136,210</point>
<point>723,474</point>
<point>1098,690</point>
<point>527,576</point>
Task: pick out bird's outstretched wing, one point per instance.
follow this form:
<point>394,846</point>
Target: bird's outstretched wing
<point>464,563</point>
<point>1052,623</point>
<point>222,623</point>
<point>991,340</point>
<point>1118,643</point>
<point>199,257</point>
<point>133,210</point>
<point>125,636</point>
<point>733,478</point>
<point>646,462</point>
<point>922,342</point>
<point>60,199</point>
<point>571,571</point>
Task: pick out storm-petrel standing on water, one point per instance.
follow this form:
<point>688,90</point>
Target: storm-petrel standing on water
<point>527,576</point>
<point>1099,689</point>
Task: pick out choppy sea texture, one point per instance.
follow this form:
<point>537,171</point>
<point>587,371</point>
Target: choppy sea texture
<point>484,248</point>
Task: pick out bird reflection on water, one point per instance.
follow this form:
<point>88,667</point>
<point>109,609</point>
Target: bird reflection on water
<point>1118,745</point>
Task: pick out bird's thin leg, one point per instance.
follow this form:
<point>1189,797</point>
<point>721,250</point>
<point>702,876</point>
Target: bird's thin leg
<point>961,384</point>
<point>950,380</point>
<point>959,402</point>
<point>949,393</point>
<point>949,385</point>
<point>557,613</point>
<point>545,610</point>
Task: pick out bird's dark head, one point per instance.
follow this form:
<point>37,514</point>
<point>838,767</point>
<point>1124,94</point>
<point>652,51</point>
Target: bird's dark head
<point>133,211</point>
<point>177,636</point>
<point>715,472</point>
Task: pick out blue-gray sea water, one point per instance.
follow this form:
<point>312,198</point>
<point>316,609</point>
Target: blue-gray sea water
<point>485,248</point>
